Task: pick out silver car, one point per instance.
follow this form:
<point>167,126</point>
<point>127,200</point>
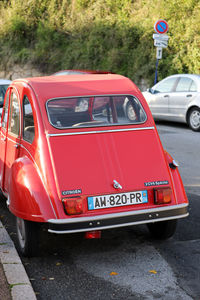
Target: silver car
<point>4,84</point>
<point>176,98</point>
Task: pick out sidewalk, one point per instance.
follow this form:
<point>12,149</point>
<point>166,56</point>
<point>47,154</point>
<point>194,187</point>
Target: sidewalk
<point>14,282</point>
<point>5,292</point>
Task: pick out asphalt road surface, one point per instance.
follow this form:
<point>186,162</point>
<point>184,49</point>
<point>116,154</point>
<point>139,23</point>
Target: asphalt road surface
<point>126,263</point>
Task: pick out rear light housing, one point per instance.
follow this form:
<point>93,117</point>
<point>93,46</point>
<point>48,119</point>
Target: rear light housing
<point>73,205</point>
<point>162,196</point>
<point>94,234</point>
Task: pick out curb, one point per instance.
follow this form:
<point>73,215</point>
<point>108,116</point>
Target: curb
<point>15,273</point>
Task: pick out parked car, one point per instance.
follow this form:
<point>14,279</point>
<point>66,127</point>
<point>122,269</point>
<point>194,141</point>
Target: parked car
<point>85,170</point>
<point>176,98</point>
<point>4,84</point>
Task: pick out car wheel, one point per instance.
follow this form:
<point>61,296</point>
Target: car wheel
<point>162,230</point>
<point>27,237</point>
<point>194,119</point>
<point>131,115</point>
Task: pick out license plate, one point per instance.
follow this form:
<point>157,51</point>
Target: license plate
<point>115,200</point>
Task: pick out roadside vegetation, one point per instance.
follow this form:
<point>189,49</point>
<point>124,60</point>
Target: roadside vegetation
<point>114,35</point>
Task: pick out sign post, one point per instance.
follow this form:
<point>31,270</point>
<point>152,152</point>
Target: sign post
<point>160,41</point>
<point>159,53</point>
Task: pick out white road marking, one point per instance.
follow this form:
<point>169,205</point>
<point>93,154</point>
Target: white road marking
<point>133,271</point>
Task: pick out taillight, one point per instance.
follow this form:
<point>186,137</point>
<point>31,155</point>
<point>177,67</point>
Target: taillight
<point>162,196</point>
<point>95,234</point>
<point>73,206</point>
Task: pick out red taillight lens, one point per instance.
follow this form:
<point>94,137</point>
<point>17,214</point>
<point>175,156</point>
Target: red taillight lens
<point>162,196</point>
<point>73,206</point>
<point>95,234</point>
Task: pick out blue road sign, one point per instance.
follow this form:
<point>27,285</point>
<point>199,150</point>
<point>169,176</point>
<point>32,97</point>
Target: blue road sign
<point>161,26</point>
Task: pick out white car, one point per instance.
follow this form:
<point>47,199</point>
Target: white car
<point>176,98</point>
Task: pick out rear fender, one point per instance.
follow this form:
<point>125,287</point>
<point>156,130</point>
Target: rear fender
<point>28,198</point>
<point>177,181</point>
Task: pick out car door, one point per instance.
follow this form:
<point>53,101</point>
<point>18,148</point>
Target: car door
<point>160,97</point>
<point>183,94</point>
<point>3,136</point>
<point>12,138</point>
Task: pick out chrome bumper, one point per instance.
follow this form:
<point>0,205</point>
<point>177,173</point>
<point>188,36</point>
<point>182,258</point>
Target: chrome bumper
<point>107,221</point>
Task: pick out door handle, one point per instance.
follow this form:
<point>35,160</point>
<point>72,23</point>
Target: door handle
<point>189,96</point>
<point>166,96</point>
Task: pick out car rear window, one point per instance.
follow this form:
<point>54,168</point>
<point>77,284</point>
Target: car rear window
<point>95,111</point>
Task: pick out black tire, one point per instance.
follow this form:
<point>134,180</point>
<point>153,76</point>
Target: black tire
<point>27,237</point>
<point>162,230</point>
<point>194,119</point>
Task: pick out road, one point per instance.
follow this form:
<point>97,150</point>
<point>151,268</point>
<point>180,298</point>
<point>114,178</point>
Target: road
<point>184,146</point>
<point>126,263</point>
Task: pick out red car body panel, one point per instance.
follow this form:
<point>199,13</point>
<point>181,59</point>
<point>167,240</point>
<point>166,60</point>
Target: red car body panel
<point>118,158</point>
<point>77,71</point>
<point>35,176</point>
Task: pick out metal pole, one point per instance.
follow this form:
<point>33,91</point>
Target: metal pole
<point>156,72</point>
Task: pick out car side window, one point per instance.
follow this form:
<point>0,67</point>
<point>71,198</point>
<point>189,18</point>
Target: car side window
<point>5,113</point>
<point>184,84</point>
<point>193,87</point>
<point>28,121</point>
<point>14,115</point>
<point>165,86</point>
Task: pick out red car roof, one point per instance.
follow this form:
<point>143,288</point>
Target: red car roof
<point>77,85</point>
<point>77,71</point>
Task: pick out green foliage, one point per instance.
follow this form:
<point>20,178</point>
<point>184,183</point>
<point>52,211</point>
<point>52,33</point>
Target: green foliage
<point>113,35</point>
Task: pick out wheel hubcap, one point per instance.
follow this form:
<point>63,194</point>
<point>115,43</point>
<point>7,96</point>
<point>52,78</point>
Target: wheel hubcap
<point>195,119</point>
<point>21,232</point>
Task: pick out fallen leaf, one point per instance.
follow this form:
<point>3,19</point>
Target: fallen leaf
<point>58,264</point>
<point>113,273</point>
<point>153,271</point>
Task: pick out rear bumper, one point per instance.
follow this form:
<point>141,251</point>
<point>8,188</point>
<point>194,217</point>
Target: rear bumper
<point>107,221</point>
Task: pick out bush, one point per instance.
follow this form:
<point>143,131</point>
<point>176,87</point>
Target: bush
<point>114,35</point>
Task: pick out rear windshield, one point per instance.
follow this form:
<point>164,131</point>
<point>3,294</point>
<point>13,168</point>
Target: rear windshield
<point>95,111</point>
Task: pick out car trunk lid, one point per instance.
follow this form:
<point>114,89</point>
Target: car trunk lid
<point>88,163</point>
